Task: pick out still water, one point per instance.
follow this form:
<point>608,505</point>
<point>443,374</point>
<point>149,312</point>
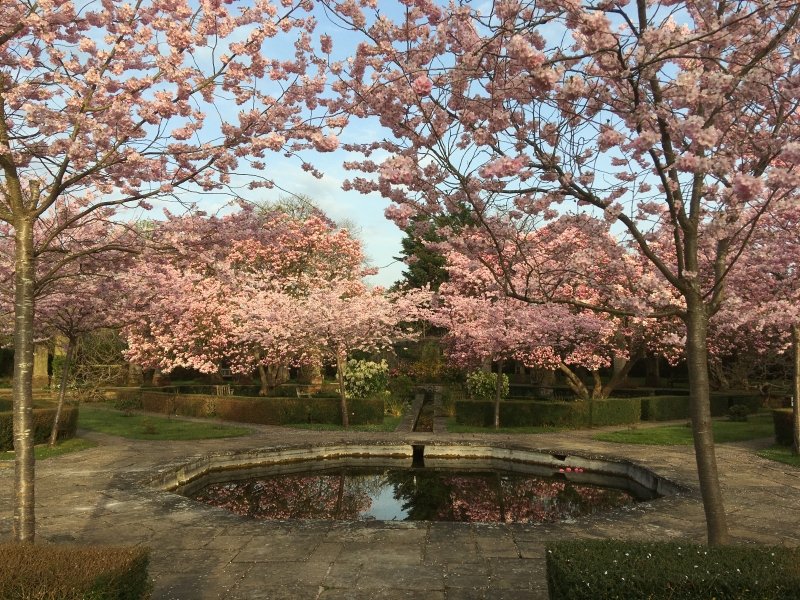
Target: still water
<point>412,494</point>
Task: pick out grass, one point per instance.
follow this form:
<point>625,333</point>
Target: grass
<point>63,447</point>
<point>781,454</point>
<point>453,427</point>
<point>389,424</point>
<point>680,435</point>
<point>140,427</point>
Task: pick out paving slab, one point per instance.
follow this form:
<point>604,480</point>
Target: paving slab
<point>100,496</point>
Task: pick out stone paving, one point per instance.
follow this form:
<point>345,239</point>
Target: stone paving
<point>198,552</point>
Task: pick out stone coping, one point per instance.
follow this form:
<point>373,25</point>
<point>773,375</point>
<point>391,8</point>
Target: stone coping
<point>178,476</point>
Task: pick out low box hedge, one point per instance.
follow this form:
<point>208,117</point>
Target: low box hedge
<point>665,408</point>
<point>42,425</point>
<point>533,413</point>
<point>6,405</point>
<point>610,569</point>
<point>45,572</point>
<point>265,411</point>
<point>783,420</point>
<point>752,401</point>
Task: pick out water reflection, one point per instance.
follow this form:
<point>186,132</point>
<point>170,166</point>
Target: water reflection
<point>412,495</point>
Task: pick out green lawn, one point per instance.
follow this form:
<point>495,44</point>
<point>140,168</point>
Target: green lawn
<point>63,447</point>
<point>781,454</point>
<point>680,435</point>
<point>389,424</point>
<point>453,427</point>
<point>140,427</point>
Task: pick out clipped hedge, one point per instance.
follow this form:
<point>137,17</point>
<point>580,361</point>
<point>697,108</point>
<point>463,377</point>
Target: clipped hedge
<point>265,411</point>
<point>783,420</point>
<point>596,413</point>
<point>44,572</point>
<point>610,569</point>
<point>665,408</point>
<point>42,424</point>
<point>752,401</point>
<point>6,405</point>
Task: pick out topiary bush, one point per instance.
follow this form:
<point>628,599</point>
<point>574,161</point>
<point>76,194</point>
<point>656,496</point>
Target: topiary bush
<point>618,570</point>
<point>45,572</point>
<point>483,386</point>
<point>738,413</point>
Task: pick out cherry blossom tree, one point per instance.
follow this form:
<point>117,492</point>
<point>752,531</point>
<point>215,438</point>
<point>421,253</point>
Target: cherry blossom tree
<point>105,102</point>
<point>345,316</point>
<point>677,117</point>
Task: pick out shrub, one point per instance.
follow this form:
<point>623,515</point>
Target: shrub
<point>395,405</point>
<point>365,379</point>
<point>128,400</point>
<point>606,569</point>
<point>483,386</point>
<point>783,420</point>
<point>738,412</point>
<point>595,413</point>
<point>42,424</point>
<point>401,387</point>
<point>44,572</point>
<point>266,411</point>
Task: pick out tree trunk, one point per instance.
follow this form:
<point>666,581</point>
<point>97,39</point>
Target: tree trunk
<point>262,374</point>
<point>340,375</point>
<point>498,393</point>
<point>62,390</point>
<point>700,407</point>
<point>620,375</point>
<point>796,399</point>
<point>574,382</point>
<point>24,462</point>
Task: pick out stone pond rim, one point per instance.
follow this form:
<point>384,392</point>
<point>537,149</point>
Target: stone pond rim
<point>172,478</point>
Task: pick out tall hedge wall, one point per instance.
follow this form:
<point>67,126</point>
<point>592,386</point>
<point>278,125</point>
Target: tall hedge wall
<point>596,413</point>
<point>782,418</point>
<point>265,411</point>
<point>42,424</point>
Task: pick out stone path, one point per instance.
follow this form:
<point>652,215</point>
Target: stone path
<point>199,552</point>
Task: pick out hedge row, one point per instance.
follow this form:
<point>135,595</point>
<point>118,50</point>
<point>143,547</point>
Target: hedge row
<point>44,572</point>
<point>784,426</point>
<point>610,569</point>
<point>284,390</point>
<point>42,425</point>
<point>265,411</point>
<point>523,412</point>
<point>597,413</point>
<point>6,405</point>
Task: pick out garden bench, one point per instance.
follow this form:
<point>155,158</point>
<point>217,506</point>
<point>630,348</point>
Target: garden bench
<point>223,390</point>
<point>303,393</point>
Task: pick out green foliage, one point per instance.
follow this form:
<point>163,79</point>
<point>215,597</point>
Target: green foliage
<point>483,386</point>
<point>365,379</point>
<point>738,413</point>
<point>6,406</point>
<point>679,435</point>
<point>45,572</point>
<point>594,413</point>
<point>153,428</point>
<point>42,425</point>
<point>618,570</point>
<point>401,387</point>
<point>665,408</point>
<point>266,411</point>
<point>58,367</point>
<point>782,419</point>
<point>128,400</point>
<point>430,364</point>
